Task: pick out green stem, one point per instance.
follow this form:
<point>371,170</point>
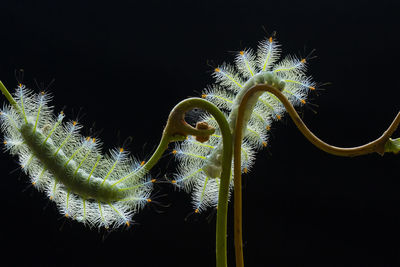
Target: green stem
<point>177,114</point>
<point>9,97</point>
<point>381,145</point>
<point>162,146</point>
<point>176,130</point>
<point>221,231</point>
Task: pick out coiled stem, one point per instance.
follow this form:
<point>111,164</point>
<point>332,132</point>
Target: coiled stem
<point>176,128</point>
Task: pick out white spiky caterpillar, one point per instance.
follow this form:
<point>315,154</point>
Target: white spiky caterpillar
<point>98,190</point>
<point>199,165</point>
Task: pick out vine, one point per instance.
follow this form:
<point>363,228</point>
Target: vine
<point>106,190</point>
<point>381,145</point>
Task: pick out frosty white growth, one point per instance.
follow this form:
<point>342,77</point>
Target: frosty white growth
<point>106,190</point>
<point>200,163</point>
<point>96,189</point>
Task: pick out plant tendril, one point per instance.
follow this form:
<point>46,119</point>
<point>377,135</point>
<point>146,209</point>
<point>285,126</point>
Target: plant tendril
<point>381,145</point>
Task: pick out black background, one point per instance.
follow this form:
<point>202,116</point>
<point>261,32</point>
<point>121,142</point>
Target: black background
<point>124,65</point>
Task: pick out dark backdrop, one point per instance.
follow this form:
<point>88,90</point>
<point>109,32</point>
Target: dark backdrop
<point>124,65</point>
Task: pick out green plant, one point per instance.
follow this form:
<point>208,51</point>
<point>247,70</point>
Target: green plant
<point>107,190</point>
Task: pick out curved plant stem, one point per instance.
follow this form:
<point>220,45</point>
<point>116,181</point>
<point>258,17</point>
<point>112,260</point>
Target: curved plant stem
<point>162,146</point>
<point>178,130</point>
<point>221,231</point>
<point>375,146</point>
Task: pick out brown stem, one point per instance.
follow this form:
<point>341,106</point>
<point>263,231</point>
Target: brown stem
<point>177,125</point>
<point>375,146</point>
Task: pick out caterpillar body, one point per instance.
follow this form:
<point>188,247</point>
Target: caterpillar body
<point>199,164</point>
<point>98,190</point>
